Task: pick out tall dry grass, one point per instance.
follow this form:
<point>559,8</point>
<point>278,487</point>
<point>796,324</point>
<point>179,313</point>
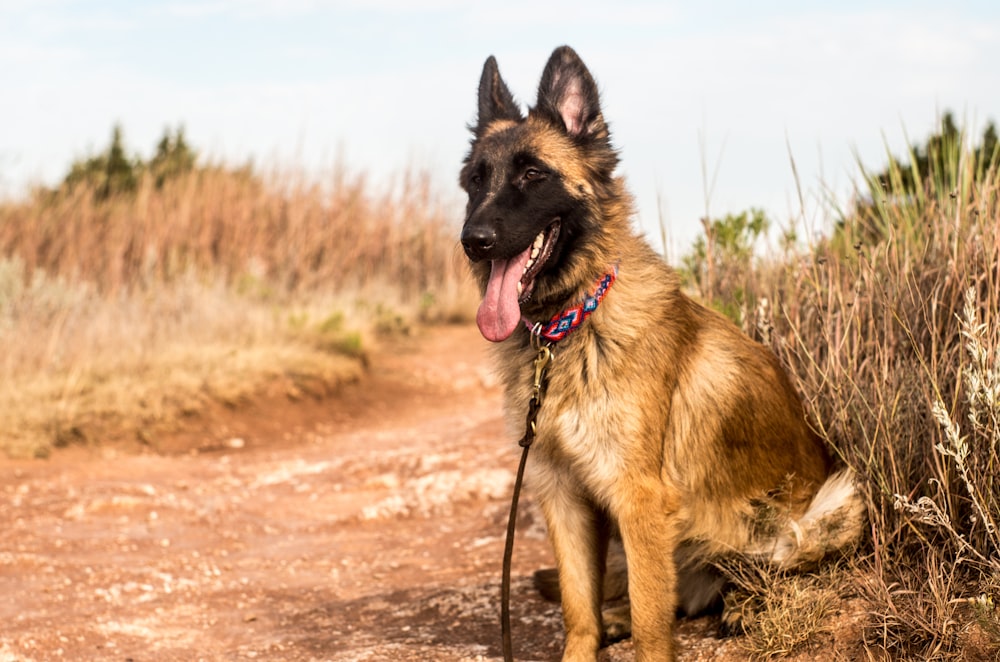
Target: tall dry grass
<point>891,326</point>
<point>131,312</point>
<point>294,234</point>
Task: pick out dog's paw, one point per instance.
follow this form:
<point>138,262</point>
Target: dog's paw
<point>547,583</point>
<point>617,624</point>
<point>731,622</point>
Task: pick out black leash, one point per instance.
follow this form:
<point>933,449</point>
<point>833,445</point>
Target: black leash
<point>542,361</point>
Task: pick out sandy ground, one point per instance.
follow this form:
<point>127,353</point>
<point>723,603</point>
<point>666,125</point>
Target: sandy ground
<point>368,526</point>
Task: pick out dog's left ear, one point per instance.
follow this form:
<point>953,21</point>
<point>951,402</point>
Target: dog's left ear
<point>568,96</point>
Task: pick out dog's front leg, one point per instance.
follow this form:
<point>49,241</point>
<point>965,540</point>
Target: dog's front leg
<point>646,519</point>
<point>579,536</point>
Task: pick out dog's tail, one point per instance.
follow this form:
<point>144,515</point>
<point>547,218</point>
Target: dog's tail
<point>832,522</point>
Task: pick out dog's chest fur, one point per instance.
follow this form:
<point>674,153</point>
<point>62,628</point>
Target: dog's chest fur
<point>588,437</point>
<point>578,433</point>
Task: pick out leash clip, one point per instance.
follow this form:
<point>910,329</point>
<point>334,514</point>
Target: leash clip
<point>542,361</point>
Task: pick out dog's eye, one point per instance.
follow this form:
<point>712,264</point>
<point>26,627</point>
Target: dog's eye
<point>532,174</point>
<point>476,181</point>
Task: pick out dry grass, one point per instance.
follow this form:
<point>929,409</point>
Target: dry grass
<point>284,236</point>
<point>891,326</point>
<point>782,615</point>
<point>132,312</point>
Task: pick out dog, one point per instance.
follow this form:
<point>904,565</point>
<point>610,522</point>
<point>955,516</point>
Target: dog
<point>663,425</point>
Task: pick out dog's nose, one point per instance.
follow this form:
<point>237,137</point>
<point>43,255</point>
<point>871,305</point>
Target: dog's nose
<point>478,241</point>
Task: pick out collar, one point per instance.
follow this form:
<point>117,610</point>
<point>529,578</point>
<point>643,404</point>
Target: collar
<point>569,320</point>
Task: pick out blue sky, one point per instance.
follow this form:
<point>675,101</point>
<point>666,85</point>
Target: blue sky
<point>705,103</point>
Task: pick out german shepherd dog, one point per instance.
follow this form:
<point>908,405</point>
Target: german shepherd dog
<point>663,425</point>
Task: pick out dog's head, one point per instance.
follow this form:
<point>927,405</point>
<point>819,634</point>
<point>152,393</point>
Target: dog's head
<point>536,186</point>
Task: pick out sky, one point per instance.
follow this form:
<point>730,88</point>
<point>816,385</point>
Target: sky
<point>710,103</point>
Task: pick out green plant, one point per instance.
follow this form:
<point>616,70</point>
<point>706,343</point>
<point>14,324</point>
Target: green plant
<point>113,172</point>
<point>720,262</point>
<point>898,195</point>
<point>108,173</point>
<point>173,158</point>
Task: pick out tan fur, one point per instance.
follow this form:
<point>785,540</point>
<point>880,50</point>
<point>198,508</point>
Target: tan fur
<point>662,424</point>
<point>648,418</point>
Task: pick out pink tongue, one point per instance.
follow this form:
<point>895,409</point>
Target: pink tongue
<point>499,313</point>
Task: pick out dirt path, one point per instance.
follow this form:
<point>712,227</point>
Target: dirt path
<point>366,527</point>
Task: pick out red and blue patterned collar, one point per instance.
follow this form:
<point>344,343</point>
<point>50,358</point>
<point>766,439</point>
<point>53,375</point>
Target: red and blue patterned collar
<point>569,320</point>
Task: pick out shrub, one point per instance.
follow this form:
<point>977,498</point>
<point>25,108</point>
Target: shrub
<point>891,327</point>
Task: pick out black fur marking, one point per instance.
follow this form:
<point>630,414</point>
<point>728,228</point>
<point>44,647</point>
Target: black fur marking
<point>495,100</point>
<point>508,200</point>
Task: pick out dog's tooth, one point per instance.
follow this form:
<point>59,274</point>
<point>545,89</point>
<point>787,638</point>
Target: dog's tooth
<point>520,288</point>
<point>534,252</point>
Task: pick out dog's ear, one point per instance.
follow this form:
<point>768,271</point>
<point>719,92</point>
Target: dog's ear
<point>495,100</point>
<point>567,96</point>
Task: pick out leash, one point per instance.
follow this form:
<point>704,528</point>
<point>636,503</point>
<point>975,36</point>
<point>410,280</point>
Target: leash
<point>542,360</point>
<point>543,337</point>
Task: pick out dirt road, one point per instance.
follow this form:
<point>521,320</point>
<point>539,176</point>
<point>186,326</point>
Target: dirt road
<point>364,527</point>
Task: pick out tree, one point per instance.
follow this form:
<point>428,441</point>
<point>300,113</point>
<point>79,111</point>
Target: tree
<point>109,173</point>
<point>113,172</point>
<point>173,157</point>
<point>932,159</point>
<point>934,170</point>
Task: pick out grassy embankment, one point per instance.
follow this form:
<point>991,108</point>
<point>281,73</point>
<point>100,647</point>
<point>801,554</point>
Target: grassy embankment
<point>124,313</point>
<point>890,323</point>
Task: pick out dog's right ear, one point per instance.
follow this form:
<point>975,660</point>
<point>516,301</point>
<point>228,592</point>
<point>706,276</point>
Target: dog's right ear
<point>495,100</point>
